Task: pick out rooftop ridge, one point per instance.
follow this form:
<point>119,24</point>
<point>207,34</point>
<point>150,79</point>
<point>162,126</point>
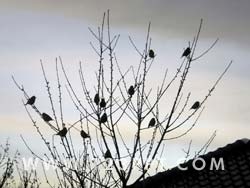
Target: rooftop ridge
<point>236,148</point>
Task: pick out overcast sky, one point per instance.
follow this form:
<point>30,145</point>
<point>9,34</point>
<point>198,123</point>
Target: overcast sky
<point>42,29</point>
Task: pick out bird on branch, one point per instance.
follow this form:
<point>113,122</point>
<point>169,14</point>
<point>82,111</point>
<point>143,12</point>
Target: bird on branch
<point>131,91</point>
<point>151,53</point>
<point>196,105</point>
<point>84,134</point>
<point>62,132</point>
<point>107,155</point>
<point>151,123</point>
<point>104,118</point>
<point>46,117</point>
<point>97,99</point>
<point>186,52</point>
<point>31,100</point>
<point>102,103</point>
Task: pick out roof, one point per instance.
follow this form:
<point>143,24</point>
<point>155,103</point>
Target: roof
<point>236,173</point>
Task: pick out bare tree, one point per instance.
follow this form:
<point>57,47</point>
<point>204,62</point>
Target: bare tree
<point>27,178</point>
<point>107,157</point>
<point>6,165</point>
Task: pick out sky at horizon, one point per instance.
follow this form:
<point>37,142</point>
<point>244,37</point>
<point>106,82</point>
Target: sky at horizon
<point>34,30</point>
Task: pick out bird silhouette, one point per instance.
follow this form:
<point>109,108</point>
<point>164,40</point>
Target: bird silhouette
<point>151,53</point>
<point>104,118</point>
<point>107,155</point>
<point>84,134</point>
<point>62,132</point>
<point>31,100</point>
<point>97,99</point>
<point>131,90</point>
<point>46,117</point>
<point>102,103</point>
<point>196,105</point>
<point>151,123</point>
<point>186,52</point>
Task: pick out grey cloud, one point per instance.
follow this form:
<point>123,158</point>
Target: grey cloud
<point>227,19</point>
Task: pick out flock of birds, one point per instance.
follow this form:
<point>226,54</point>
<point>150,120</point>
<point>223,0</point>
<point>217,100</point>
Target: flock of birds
<point>102,103</point>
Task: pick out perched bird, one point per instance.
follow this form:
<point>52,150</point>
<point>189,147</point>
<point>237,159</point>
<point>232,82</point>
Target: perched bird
<point>102,103</point>
<point>151,53</point>
<point>97,99</point>
<point>107,155</point>
<point>131,90</point>
<point>46,117</point>
<point>31,100</point>
<point>196,105</point>
<point>186,52</point>
<point>84,134</point>
<point>104,118</point>
<point>151,123</point>
<point>62,132</point>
